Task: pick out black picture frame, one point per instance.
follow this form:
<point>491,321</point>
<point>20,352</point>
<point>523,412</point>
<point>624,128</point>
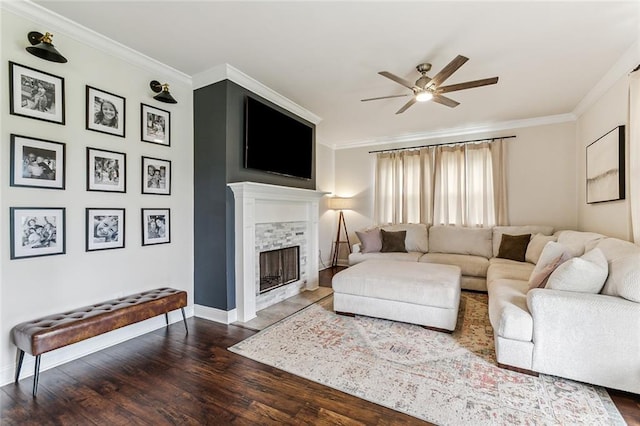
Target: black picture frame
<point>156,176</point>
<point>36,231</point>
<point>36,94</point>
<point>100,106</point>
<point>155,125</point>
<point>104,228</point>
<point>156,226</point>
<point>37,163</point>
<point>605,167</point>
<point>106,170</point>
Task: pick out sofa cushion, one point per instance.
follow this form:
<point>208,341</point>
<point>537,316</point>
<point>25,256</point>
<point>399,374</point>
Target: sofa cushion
<point>460,240</point>
<point>417,238</point>
<point>536,245</point>
<point>508,269</point>
<point>514,247</point>
<point>474,266</point>
<point>585,274</point>
<point>371,240</point>
<point>553,253</point>
<point>412,256</point>
<point>540,278</point>
<point>577,240</point>
<point>393,241</point>
<point>508,311</point>
<point>517,230</point>
<point>624,278</point>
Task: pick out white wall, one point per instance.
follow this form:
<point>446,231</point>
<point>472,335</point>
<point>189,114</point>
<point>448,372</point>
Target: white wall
<point>39,286</point>
<point>610,218</point>
<point>327,218</point>
<point>541,172</point>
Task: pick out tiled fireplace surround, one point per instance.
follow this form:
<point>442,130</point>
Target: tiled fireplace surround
<point>269,217</point>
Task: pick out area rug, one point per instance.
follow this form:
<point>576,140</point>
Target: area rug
<point>446,379</point>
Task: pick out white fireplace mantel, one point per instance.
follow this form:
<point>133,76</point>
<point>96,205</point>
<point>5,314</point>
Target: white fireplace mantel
<point>263,203</point>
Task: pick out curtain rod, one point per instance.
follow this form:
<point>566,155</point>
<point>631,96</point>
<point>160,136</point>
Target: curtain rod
<point>443,143</point>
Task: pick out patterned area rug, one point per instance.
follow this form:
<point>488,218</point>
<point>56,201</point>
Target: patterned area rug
<point>447,379</point>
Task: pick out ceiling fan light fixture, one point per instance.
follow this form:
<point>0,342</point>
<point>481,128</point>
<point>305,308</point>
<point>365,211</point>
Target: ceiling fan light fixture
<point>424,96</point>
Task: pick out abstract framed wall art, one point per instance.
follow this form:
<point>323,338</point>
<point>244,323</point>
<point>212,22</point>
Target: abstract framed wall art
<point>156,176</point>
<point>106,170</point>
<point>156,226</point>
<point>606,167</point>
<point>155,125</point>
<point>37,231</point>
<point>36,94</point>
<point>104,229</point>
<point>106,112</point>
<point>37,163</point>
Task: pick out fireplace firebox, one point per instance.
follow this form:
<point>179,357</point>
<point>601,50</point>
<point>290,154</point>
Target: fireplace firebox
<point>279,267</point>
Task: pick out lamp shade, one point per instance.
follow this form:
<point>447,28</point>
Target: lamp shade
<point>42,47</point>
<point>340,203</point>
<point>162,91</point>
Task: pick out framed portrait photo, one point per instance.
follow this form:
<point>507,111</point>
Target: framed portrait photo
<point>106,170</point>
<point>105,112</point>
<point>155,125</point>
<point>36,94</point>
<point>104,229</point>
<point>37,231</point>
<point>37,163</point>
<point>156,226</point>
<point>156,176</point>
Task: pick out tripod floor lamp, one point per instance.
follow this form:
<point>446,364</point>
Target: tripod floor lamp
<point>339,203</point>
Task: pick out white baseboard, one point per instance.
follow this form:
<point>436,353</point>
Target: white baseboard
<point>217,315</point>
<point>89,346</point>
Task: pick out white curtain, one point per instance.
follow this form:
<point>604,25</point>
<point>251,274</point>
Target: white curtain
<point>460,184</point>
<point>634,153</point>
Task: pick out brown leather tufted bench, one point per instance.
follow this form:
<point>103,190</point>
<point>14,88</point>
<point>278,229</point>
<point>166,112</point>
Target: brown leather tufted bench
<point>55,331</point>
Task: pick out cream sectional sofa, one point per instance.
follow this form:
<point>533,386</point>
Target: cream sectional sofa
<point>584,336</point>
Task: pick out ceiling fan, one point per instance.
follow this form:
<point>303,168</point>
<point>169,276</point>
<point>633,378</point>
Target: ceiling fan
<point>425,88</point>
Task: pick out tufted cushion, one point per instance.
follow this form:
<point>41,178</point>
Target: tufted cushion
<point>55,331</point>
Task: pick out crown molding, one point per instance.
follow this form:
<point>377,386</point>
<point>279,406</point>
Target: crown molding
<point>59,24</point>
<point>627,62</point>
<point>458,131</point>
<point>227,72</point>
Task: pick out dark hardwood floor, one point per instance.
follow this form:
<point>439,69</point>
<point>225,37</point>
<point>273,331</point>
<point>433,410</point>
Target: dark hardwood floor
<point>168,377</point>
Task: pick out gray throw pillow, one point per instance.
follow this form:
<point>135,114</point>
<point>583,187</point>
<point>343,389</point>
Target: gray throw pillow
<point>393,241</point>
<point>370,240</point>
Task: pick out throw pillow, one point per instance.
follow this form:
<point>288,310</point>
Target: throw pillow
<point>539,279</point>
<point>535,247</point>
<point>393,241</point>
<point>370,240</point>
<point>514,247</point>
<point>585,274</point>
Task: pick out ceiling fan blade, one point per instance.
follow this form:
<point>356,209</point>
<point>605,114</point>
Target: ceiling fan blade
<point>397,79</point>
<point>383,97</point>
<point>446,72</point>
<point>407,105</point>
<point>467,85</point>
<point>444,100</point>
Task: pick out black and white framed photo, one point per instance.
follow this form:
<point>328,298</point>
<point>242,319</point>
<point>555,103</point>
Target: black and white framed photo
<point>155,125</point>
<point>37,231</point>
<point>105,112</point>
<point>156,176</point>
<point>106,170</point>
<point>606,168</point>
<point>105,229</point>
<point>37,163</point>
<point>156,226</point>
<point>36,94</point>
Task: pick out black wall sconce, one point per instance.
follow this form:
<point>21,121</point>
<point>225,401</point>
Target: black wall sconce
<point>162,91</point>
<point>42,48</point>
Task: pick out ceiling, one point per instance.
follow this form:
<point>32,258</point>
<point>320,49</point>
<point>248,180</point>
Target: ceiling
<point>325,55</point>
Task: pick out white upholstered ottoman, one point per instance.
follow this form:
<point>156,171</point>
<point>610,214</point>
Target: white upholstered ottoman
<point>426,294</point>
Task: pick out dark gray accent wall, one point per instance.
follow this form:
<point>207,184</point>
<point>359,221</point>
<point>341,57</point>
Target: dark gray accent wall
<point>218,160</point>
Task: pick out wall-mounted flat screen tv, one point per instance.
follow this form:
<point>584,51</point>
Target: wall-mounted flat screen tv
<point>276,142</point>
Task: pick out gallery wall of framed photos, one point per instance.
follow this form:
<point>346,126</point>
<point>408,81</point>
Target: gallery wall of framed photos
<point>80,218</point>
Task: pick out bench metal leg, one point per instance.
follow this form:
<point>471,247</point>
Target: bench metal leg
<point>19,359</point>
<point>166,318</point>
<point>184,319</point>
<point>36,375</point>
